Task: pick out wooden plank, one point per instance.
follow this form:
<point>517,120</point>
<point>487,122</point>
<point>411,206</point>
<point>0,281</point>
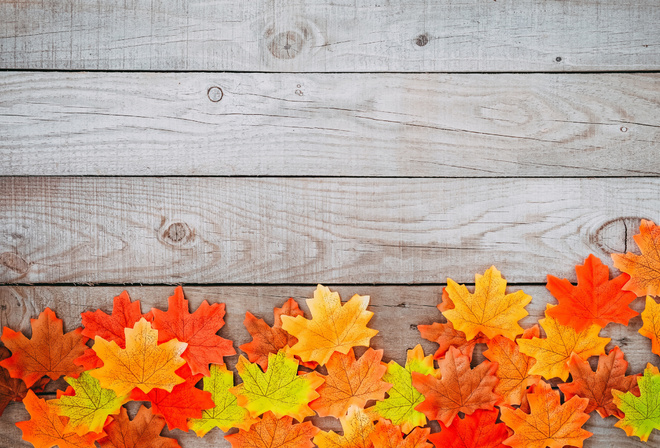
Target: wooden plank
<point>309,230</point>
<point>338,36</point>
<point>329,125</point>
<point>397,310</point>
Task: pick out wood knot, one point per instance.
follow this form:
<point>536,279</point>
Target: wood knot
<point>177,234</point>
<point>14,262</point>
<point>286,45</point>
<point>616,235</point>
<point>422,40</point>
<point>290,39</point>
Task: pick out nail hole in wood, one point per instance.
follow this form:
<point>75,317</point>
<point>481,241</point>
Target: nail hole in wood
<point>422,40</point>
<point>215,94</point>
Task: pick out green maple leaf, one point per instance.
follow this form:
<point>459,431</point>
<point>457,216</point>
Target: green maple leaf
<point>642,414</point>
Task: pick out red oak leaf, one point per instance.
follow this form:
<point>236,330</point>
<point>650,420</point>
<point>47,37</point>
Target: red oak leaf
<point>478,430</point>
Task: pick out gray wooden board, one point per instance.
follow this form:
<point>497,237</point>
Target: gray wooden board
<point>338,36</point>
<point>397,311</point>
<point>329,125</point>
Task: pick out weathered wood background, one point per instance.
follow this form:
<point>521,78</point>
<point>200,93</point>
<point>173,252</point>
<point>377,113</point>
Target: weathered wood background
<point>252,149</point>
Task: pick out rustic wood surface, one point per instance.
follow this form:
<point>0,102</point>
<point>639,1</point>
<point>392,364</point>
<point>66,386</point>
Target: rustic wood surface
<point>329,124</point>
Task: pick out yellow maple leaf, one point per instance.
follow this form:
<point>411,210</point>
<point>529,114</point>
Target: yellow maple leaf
<point>651,327</point>
<point>143,363</point>
<point>357,426</point>
<point>333,327</point>
<point>489,310</point>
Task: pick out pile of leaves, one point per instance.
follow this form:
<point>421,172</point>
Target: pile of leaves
<point>519,396</point>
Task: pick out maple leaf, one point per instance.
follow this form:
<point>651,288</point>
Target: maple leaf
<point>597,386</point>
<point>446,303</point>
<point>333,327</point>
<point>447,336</point>
<point>226,413</point>
<point>351,382</point>
<point>549,423</point>
<point>651,327</point>
<point>644,269</point>
<point>89,406</point>
<point>489,310</point>
<point>459,389</point>
<point>198,330</point>
<point>46,429</point>
<point>279,390</point>
<point>141,432</point>
<point>552,353</point>
<point>399,406</point>
<point>270,432</point>
<point>11,389</point>
<point>184,402</point>
<point>595,300</point>
<point>642,414</point>
<point>387,435</point>
<point>512,367</point>
<point>49,352</point>
<point>143,363</point>
<point>478,430</point>
<point>357,427</point>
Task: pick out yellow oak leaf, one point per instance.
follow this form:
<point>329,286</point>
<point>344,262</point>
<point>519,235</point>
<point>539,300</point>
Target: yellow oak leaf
<point>143,363</point>
<point>357,426</point>
<point>489,310</point>
<point>651,327</point>
<point>333,327</point>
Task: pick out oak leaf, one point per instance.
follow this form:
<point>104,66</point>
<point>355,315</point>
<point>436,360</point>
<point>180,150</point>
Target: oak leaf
<point>280,389</point>
<point>387,435</point>
<point>478,430</point>
<point>596,300</point>
<point>489,310</point>
<point>333,327</point>
<point>651,327</point>
<point>642,413</point>
<point>447,336</point>
<point>141,432</point>
<point>597,386</point>
<point>350,382</point>
<point>143,363</point>
<point>553,352</point>
<point>198,330</point>
<point>459,389</point>
<point>49,352</point>
<point>270,432</point>
<point>644,269</point>
<point>357,427</point>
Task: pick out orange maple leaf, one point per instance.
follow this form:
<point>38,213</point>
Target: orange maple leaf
<point>141,432</point>
<point>597,386</point>
<point>595,300</point>
<point>49,352</point>
<point>549,423</point>
<point>478,430</point>
<point>447,336</point>
<point>460,389</point>
<point>357,427</point>
<point>350,382</point>
<point>12,389</point>
<point>387,435</point>
<point>644,269</point>
<point>651,327</point>
<point>270,432</point>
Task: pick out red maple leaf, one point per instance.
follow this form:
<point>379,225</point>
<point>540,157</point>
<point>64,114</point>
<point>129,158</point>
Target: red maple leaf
<point>141,432</point>
<point>447,336</point>
<point>478,430</point>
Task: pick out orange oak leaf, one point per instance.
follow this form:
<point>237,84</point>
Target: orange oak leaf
<point>460,389</point>
<point>651,327</point>
<point>270,432</point>
<point>478,430</point>
<point>141,432</point>
<point>350,382</point>
<point>46,429</point>
<point>49,352</point>
<point>333,327</point>
<point>357,427</point>
<point>549,423</point>
<point>198,330</point>
<point>387,435</point>
<point>596,300</point>
<point>446,336</point>
<point>597,386</point>
<point>512,367</point>
<point>644,269</point>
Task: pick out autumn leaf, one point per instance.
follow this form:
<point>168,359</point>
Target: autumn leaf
<point>489,310</point>
<point>333,327</point>
<point>512,367</point>
<point>49,352</point>
<point>226,413</point>
<point>46,429</point>
<point>644,269</point>
<point>399,406</point>
<point>198,330</point>
<point>141,432</point>
<point>357,427</point>
<point>143,363</point>
<point>549,423</point>
<point>596,300</point>
<point>270,432</point>
<point>11,389</point>
<point>459,389</point>
<point>651,327</point>
<point>446,303</point>
<point>642,414</point>
<point>280,389</point>
<point>446,336</point>
<point>387,435</point>
<point>478,430</point>
<point>351,382</point>
<point>553,352</point>
<point>597,386</point>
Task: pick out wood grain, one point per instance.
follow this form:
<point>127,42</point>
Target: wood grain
<point>329,125</point>
<point>338,36</point>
